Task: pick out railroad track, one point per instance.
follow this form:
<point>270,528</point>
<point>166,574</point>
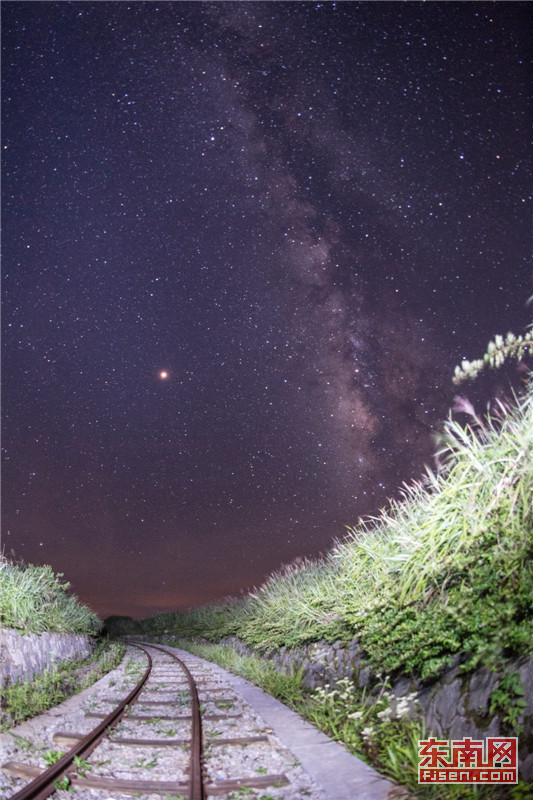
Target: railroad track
<point>158,724</point>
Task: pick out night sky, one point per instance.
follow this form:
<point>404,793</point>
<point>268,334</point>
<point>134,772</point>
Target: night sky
<point>244,246</point>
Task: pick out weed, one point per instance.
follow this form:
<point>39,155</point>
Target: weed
<point>225,705</point>
<point>51,756</point>
<point>63,784</point>
<point>82,766</point>
<point>134,668</point>
<point>262,770</point>
<point>146,763</point>
<point>522,791</point>
<point>23,743</point>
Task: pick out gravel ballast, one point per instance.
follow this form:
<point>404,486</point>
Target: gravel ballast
<point>315,767</point>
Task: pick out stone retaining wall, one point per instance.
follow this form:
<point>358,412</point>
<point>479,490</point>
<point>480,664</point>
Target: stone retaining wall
<point>454,706</point>
<point>23,655</point>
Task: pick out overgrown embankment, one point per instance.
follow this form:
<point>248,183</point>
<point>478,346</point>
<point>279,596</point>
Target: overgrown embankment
<point>444,572</point>
<point>47,644</point>
<point>35,600</point>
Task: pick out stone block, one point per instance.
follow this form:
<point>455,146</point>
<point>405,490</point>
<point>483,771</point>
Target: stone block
<point>480,686</point>
<point>23,655</point>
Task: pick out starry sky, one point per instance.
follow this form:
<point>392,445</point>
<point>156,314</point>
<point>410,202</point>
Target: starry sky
<point>244,246</point>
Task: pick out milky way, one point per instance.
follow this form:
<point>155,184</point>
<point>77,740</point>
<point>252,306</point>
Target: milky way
<point>245,244</point>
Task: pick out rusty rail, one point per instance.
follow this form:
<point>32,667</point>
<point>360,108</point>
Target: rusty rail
<point>196,782</point>
<point>194,786</point>
<point>44,785</point>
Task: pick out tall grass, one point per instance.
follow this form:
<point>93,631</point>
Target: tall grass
<point>447,569</point>
<point>36,600</point>
<point>443,571</point>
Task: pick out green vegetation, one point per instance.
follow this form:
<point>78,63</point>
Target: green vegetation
<point>63,784</point>
<point>25,699</point>
<point>508,700</point>
<point>33,599</point>
<point>81,766</point>
<point>51,756</point>
<point>444,571</point>
<point>377,727</point>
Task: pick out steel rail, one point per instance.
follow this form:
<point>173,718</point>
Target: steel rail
<point>44,785</point>
<point>196,782</point>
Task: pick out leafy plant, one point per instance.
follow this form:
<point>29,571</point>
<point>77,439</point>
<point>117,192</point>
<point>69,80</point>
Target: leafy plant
<point>82,766</point>
<point>22,743</point>
<point>508,700</point>
<point>134,667</point>
<point>63,784</point>
<point>224,705</point>
<point>51,756</point>
<point>183,697</point>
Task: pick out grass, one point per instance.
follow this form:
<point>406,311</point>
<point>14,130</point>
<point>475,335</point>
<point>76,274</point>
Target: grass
<point>34,599</point>
<point>444,571</point>
<point>24,699</point>
<point>376,728</point>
